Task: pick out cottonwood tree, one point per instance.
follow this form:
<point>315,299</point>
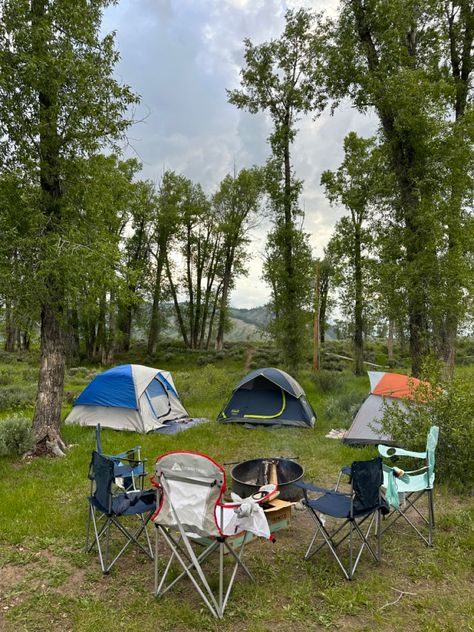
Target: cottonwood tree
<point>236,204</point>
<point>168,213</point>
<point>386,56</point>
<point>352,185</point>
<point>283,77</point>
<point>194,275</point>
<point>58,102</point>
<point>456,25</point>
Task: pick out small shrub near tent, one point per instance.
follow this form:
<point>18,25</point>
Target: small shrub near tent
<point>449,405</point>
<point>16,436</point>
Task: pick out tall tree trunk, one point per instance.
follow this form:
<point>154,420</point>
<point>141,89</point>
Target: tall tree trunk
<point>323,306</point>
<point>213,315</point>
<point>47,416</point>
<point>179,316</point>
<point>358,306</point>
<point>223,310</point>
<point>291,337</point>
<point>50,385</point>
<point>112,337</point>
<point>462,67</point>
<point>189,277</point>
<point>153,332</point>
<point>391,329</point>
<point>10,329</point>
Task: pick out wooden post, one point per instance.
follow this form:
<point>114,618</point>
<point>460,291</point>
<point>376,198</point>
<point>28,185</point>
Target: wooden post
<point>316,339</point>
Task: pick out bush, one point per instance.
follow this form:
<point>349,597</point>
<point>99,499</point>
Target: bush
<point>328,381</point>
<point>16,436</point>
<point>343,408</point>
<point>209,383</point>
<point>29,375</point>
<point>450,406</point>
<point>12,397</point>
<point>5,377</point>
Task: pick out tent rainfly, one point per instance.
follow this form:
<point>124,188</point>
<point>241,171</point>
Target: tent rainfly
<point>268,397</point>
<point>128,397</point>
<point>384,389</point>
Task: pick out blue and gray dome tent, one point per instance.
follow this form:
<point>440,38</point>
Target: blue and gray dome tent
<point>268,397</point>
<point>128,397</point>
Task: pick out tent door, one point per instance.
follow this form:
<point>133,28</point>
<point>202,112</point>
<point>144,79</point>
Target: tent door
<point>158,399</point>
<point>266,403</point>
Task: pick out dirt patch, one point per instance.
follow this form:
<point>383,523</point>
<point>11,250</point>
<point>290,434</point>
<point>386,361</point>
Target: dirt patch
<point>10,576</point>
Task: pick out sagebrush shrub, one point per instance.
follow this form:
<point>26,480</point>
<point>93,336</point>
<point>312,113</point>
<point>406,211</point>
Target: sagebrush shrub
<point>328,381</point>
<point>209,383</point>
<point>16,436</point>
<point>15,396</point>
<point>6,377</point>
<point>343,408</point>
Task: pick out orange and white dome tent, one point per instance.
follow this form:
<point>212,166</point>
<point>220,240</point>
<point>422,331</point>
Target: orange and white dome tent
<point>384,388</point>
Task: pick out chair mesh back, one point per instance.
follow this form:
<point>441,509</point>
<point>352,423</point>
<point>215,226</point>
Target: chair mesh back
<point>192,485</point>
<point>431,443</point>
<point>98,442</point>
<point>103,474</point>
<point>367,477</point>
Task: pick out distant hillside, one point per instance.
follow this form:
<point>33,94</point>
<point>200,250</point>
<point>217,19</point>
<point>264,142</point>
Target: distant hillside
<point>258,316</point>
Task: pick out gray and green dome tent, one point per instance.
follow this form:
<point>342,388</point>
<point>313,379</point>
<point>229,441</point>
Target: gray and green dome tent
<point>268,397</point>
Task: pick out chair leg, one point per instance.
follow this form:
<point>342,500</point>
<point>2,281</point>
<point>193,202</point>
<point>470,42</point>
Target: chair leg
<point>379,535</point>
<point>430,517</point>
<point>350,549</point>
<point>88,527</point>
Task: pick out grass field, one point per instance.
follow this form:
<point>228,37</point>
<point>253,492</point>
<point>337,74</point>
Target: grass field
<point>48,583</point>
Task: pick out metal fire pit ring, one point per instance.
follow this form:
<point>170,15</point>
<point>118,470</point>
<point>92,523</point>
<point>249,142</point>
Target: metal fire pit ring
<point>245,477</point>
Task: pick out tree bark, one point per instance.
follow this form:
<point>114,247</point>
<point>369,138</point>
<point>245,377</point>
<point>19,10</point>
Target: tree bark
<point>179,316</point>
<point>358,306</point>
<point>391,328</point>
<point>153,332</point>
<point>223,303</point>
<point>10,329</point>
<point>50,385</point>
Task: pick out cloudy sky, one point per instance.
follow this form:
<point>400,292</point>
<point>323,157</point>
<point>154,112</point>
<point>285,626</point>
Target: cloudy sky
<point>180,56</point>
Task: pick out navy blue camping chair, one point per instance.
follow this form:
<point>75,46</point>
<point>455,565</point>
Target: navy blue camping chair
<point>108,509</point>
<point>129,467</point>
<point>362,504</point>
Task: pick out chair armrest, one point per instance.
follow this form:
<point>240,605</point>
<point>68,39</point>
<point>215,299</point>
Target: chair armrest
<point>418,471</point>
<point>389,450</point>
<point>316,488</point>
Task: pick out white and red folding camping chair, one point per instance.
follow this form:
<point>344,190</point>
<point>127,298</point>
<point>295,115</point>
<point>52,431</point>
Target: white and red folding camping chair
<point>192,513</point>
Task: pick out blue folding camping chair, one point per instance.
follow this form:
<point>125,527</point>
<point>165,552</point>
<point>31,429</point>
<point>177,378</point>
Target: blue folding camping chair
<point>362,504</point>
<point>108,509</point>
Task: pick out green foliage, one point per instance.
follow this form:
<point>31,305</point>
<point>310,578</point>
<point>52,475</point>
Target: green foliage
<point>448,404</point>
<point>216,383</point>
<point>6,377</point>
<point>328,381</point>
<point>343,407</point>
<point>16,396</point>
<point>16,436</point>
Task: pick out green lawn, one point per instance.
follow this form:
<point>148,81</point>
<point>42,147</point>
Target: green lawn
<point>48,583</point>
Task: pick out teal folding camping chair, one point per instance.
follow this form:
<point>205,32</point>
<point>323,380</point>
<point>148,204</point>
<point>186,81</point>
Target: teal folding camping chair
<point>403,489</point>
